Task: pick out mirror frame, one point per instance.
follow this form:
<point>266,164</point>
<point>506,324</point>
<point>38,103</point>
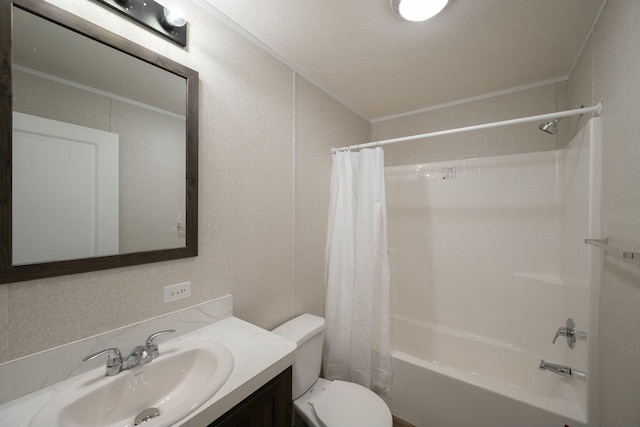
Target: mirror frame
<point>10,273</point>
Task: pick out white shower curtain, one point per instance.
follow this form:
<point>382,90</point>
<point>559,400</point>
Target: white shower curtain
<point>357,335</point>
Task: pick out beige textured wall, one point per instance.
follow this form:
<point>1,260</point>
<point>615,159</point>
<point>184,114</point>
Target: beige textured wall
<point>489,142</point>
<point>607,71</point>
<point>321,123</point>
<point>259,124</point>
<point>44,98</point>
<point>152,170</point>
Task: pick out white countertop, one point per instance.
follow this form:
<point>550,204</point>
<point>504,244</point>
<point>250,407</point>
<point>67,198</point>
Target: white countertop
<point>258,356</point>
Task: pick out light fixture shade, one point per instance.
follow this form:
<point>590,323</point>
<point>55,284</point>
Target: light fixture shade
<point>175,17</point>
<point>418,10</point>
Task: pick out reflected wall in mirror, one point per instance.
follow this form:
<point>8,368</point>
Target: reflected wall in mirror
<point>99,136</point>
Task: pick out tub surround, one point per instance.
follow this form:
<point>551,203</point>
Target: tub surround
<point>497,377</point>
<point>486,402</point>
<point>533,211</point>
<point>258,357</point>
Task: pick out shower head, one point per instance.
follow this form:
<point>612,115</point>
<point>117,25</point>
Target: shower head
<point>549,127</point>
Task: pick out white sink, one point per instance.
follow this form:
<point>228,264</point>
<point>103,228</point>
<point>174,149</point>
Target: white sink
<point>181,379</point>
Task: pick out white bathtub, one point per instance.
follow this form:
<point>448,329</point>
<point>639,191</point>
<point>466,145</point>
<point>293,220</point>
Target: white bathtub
<point>445,378</point>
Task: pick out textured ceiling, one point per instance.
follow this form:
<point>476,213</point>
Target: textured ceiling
<point>379,65</point>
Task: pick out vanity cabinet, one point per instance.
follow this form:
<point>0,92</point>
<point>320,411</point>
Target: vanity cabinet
<point>269,406</point>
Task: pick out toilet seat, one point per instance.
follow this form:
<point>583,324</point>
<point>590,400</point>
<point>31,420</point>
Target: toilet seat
<point>348,404</point>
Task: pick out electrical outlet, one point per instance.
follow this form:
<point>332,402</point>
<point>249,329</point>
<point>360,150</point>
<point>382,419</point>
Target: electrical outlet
<point>176,292</point>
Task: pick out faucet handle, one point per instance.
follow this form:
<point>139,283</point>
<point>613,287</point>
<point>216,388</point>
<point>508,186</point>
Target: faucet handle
<point>569,331</point>
<point>114,361</point>
<point>562,331</point>
<point>152,345</point>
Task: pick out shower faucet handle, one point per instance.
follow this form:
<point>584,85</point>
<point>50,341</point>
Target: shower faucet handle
<point>566,332</point>
<point>572,334</point>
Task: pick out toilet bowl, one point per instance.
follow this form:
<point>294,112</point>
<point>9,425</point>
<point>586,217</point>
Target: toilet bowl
<point>340,403</point>
<point>321,402</point>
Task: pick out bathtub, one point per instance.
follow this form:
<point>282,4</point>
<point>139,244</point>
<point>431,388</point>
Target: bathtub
<point>447,378</point>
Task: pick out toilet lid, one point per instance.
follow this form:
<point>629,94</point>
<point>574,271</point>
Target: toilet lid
<point>348,404</point>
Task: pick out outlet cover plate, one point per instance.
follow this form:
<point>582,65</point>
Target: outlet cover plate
<point>176,292</point>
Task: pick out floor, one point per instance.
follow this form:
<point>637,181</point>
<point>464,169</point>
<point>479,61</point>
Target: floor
<point>398,422</point>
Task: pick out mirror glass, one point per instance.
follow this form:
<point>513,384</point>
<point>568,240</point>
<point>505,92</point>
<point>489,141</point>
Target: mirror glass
<point>101,141</point>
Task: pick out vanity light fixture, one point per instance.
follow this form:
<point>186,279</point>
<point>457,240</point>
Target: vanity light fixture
<point>418,10</point>
<point>166,20</point>
<point>174,17</point>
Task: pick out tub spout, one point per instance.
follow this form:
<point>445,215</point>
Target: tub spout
<point>564,371</point>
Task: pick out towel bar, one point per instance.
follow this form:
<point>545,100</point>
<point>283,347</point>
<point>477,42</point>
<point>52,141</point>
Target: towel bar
<point>604,245</point>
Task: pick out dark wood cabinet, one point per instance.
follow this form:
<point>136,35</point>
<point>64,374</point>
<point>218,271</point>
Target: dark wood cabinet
<point>270,406</point>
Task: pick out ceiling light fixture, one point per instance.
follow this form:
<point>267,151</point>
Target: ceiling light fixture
<point>418,10</point>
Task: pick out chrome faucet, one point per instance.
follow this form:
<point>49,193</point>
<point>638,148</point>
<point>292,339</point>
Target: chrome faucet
<point>564,371</point>
<point>151,344</point>
<point>561,370</point>
<point>140,355</point>
<point>572,334</point>
<point>114,361</point>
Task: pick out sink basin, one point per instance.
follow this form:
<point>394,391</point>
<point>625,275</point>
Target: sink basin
<point>181,379</point>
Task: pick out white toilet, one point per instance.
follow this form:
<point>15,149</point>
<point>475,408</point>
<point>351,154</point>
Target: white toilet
<point>324,403</point>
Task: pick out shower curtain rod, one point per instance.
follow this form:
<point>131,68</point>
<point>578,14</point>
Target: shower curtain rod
<point>550,116</point>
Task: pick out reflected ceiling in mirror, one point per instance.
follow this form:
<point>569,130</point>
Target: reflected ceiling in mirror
<point>104,149</point>
<point>43,46</point>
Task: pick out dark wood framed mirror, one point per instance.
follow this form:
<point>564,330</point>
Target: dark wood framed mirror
<point>66,207</point>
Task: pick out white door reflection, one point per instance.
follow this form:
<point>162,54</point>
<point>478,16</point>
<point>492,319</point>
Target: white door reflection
<point>65,191</point>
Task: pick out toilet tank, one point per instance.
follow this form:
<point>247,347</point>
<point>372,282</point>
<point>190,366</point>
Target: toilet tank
<point>307,332</point>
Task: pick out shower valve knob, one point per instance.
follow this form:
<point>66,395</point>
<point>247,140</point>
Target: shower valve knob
<point>572,334</point>
<point>569,333</point>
